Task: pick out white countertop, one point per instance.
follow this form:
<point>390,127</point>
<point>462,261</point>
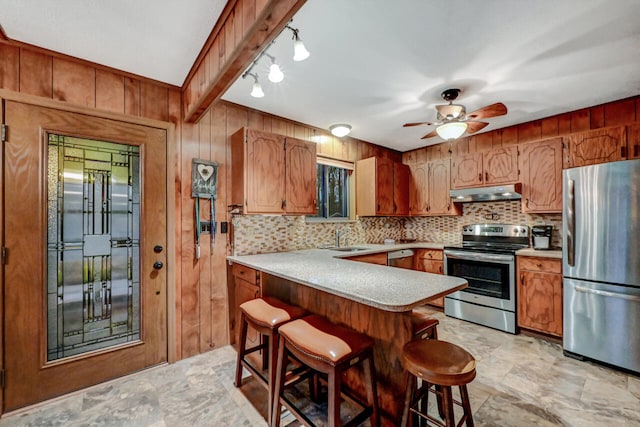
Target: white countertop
<point>386,288</point>
<point>553,253</point>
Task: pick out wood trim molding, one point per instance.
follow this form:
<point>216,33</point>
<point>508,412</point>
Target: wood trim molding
<point>268,24</point>
<point>3,35</point>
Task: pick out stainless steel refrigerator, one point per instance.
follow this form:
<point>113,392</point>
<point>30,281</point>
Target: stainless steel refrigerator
<point>601,263</point>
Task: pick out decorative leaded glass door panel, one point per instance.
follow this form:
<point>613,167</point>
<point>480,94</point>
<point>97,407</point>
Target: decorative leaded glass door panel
<point>85,291</point>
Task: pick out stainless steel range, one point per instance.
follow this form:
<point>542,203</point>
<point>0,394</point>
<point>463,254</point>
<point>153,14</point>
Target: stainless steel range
<point>486,260</point>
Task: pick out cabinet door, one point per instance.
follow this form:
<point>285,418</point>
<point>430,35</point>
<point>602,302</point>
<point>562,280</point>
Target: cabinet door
<point>384,186</point>
<point>500,166</point>
<point>597,146</point>
<point>400,189</point>
<point>430,261</point>
<point>265,169</point>
<point>541,167</point>
<point>439,187</point>
<point>300,167</point>
<point>466,171</point>
<point>540,301</point>
<point>633,141</point>
<point>418,188</point>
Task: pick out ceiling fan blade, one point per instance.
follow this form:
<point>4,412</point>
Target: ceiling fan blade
<point>417,124</point>
<point>473,127</point>
<point>493,110</point>
<point>430,135</point>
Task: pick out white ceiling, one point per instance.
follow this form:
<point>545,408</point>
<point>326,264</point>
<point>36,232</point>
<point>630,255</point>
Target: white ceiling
<point>375,64</point>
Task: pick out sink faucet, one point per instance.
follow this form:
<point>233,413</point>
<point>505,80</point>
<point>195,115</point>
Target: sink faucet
<point>338,234</point>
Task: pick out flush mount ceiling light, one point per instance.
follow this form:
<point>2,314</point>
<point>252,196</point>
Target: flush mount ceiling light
<point>300,53</point>
<point>275,74</point>
<point>451,130</point>
<point>256,91</point>
<point>340,129</point>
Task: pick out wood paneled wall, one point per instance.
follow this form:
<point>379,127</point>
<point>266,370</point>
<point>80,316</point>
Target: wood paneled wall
<point>621,112</point>
<point>34,71</point>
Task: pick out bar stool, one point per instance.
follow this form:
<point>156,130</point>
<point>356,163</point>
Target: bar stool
<point>265,315</point>
<point>443,365</point>
<point>328,349</point>
<point>423,326</point>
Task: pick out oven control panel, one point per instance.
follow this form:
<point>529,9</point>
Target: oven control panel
<point>496,230</point>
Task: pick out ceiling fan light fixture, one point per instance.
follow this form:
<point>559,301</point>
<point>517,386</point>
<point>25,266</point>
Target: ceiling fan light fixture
<point>340,129</point>
<point>451,130</point>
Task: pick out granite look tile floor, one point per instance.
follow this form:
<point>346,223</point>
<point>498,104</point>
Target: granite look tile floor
<point>521,381</point>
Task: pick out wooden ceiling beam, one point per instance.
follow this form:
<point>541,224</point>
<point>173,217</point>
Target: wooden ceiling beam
<point>200,91</point>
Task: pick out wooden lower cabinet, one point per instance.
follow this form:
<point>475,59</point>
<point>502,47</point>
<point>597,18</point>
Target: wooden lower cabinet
<point>539,294</point>
<point>246,287</point>
<point>431,261</point>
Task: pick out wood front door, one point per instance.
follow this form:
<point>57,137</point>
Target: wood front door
<point>85,231</point>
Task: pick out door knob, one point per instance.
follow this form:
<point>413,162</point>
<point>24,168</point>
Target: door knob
<point>158,265</point>
<point>157,249</point>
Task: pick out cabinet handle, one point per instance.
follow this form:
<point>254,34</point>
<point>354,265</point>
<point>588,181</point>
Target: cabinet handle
<point>284,204</point>
<point>486,176</point>
<point>480,176</point>
<point>526,202</point>
<point>440,269</point>
<point>539,265</point>
<point>636,149</point>
<point>522,278</point>
<point>623,151</point>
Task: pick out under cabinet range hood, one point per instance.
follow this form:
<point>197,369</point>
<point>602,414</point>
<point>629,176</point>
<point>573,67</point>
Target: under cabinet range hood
<point>487,194</point>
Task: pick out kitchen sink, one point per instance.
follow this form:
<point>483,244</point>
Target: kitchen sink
<point>348,249</point>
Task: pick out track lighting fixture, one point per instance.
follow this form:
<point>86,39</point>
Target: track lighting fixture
<point>300,53</point>
<point>275,74</point>
<point>256,91</point>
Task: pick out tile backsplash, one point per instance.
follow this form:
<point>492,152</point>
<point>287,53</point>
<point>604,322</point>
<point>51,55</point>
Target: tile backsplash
<point>253,234</point>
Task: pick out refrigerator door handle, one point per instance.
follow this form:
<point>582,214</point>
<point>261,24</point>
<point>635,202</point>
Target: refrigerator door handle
<point>607,293</point>
<point>571,223</point>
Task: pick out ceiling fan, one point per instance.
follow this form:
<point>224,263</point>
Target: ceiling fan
<point>453,121</point>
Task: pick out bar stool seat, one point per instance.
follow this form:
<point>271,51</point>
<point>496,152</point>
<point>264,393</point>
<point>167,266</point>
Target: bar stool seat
<point>328,349</point>
<point>423,326</point>
<point>265,315</point>
<point>441,364</point>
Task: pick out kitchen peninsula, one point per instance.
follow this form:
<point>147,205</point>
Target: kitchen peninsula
<point>373,299</point>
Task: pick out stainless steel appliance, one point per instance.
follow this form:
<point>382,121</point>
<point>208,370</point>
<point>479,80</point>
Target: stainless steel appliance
<point>541,236</point>
<point>401,259</point>
<point>486,260</point>
<point>601,263</point>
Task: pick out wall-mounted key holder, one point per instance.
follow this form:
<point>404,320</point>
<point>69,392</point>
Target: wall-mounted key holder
<point>204,185</point>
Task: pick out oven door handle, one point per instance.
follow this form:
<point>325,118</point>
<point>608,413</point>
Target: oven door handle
<point>479,257</point>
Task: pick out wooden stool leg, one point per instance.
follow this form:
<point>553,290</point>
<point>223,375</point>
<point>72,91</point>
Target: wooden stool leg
<point>242,346</point>
<point>424,404</point>
<point>271,373</point>
<point>334,386</point>
<point>372,390</point>
<point>447,399</point>
<point>410,385</point>
<point>281,367</point>
<point>441,407</point>
<point>466,405</point>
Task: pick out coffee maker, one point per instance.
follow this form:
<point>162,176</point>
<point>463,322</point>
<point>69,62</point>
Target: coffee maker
<point>541,236</point>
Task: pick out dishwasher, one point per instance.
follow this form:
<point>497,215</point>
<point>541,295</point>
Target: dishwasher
<point>400,259</point>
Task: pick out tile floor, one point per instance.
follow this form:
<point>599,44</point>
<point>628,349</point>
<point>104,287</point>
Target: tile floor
<point>522,381</point>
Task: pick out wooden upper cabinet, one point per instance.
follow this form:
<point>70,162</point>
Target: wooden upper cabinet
<point>401,178</point>
<point>494,167</point>
<point>382,187</point>
<point>300,167</point>
<point>466,171</point>
<point>633,141</point>
<point>439,185</point>
<point>429,186</point>
<point>541,175</point>
<point>596,146</point>
<point>268,178</point>
<point>500,166</point>
<point>418,189</point>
